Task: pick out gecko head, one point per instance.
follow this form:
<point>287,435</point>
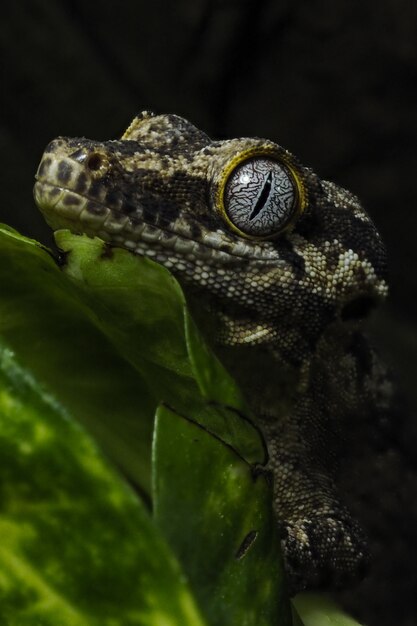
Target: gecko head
<point>239,222</point>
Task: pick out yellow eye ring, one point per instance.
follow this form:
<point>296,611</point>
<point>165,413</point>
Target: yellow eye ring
<point>251,159</point>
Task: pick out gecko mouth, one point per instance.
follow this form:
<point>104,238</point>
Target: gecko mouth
<point>63,207</point>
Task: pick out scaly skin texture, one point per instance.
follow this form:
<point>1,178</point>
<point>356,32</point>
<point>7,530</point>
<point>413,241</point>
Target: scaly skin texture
<point>285,309</point>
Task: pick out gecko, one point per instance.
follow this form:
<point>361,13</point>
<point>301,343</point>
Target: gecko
<point>282,268</point>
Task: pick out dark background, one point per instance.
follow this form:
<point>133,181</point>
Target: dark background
<point>335,81</point>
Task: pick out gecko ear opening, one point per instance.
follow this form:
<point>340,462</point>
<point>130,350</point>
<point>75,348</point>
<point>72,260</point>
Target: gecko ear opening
<point>358,308</point>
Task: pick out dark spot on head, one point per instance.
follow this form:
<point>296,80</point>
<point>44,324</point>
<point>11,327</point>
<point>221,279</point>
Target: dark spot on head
<point>64,172</point>
<point>357,308</point>
<point>287,253</point>
<point>119,216</point>
<point>81,183</point>
<point>167,212</point>
<point>95,189</point>
<point>309,226</point>
<point>113,198</point>
<point>55,191</point>
<point>129,206</point>
<point>95,208</point>
<point>246,544</point>
<point>71,199</point>
<point>195,231</point>
<point>209,221</point>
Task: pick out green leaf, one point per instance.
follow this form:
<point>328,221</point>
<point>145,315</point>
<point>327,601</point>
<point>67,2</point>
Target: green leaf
<point>217,518</point>
<point>45,320</point>
<point>77,547</point>
<point>111,338</point>
<point>141,309</point>
<point>103,343</point>
<point>318,609</point>
<point>229,416</point>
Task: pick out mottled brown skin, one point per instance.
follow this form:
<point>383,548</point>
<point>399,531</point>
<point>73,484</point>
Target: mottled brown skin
<point>286,315</point>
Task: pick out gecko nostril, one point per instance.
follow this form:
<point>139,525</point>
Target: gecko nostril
<point>95,162</point>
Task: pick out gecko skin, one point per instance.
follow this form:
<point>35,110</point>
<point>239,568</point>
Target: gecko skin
<point>286,266</point>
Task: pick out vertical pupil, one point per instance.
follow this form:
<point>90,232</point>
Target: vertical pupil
<point>263,197</point>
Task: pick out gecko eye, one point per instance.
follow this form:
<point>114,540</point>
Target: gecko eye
<point>262,197</point>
